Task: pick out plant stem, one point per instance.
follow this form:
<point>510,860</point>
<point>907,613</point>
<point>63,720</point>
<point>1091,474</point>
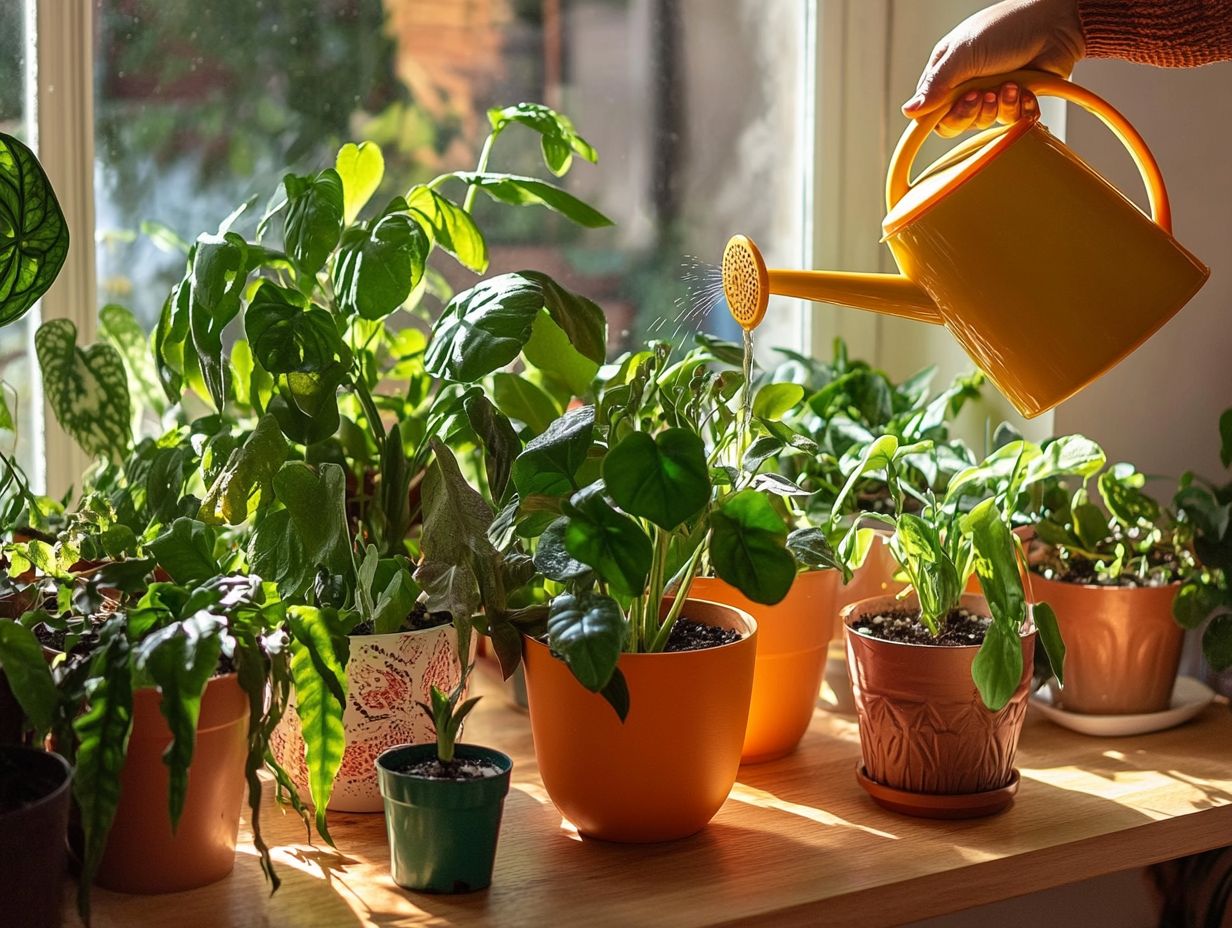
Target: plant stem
<point>484,154</point>
<point>686,584</point>
<point>370,410</point>
<point>654,587</point>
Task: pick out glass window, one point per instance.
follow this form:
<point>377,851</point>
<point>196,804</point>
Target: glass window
<point>692,104</point>
<point>16,360</point>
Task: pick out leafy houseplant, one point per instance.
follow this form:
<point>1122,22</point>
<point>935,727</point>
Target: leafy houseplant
<point>941,678</point>
<point>443,803</point>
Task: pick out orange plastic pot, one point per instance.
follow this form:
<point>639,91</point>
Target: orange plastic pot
<point>792,636</point>
<point>924,728</point>
<point>142,853</point>
<point>1122,646</point>
<point>664,772</point>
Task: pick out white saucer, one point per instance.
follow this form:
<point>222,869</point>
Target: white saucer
<point>1189,697</point>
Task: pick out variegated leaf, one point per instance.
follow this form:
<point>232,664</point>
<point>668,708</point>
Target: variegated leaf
<point>87,389</point>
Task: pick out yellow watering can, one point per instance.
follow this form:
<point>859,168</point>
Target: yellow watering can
<point>1045,273</point>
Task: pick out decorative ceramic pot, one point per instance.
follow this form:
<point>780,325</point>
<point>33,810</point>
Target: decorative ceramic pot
<point>143,855</point>
<point>442,833</point>
<point>664,772</point>
<point>924,729</point>
<point>792,636</point>
<point>1122,646</point>
<point>387,677</point>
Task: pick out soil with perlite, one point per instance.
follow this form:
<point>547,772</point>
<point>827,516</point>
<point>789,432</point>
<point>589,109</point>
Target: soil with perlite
<point>694,636</point>
<point>419,620</point>
<point>961,628</point>
<point>458,769</point>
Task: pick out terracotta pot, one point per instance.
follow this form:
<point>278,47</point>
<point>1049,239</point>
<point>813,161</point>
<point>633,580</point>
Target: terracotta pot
<point>387,677</point>
<point>923,726</point>
<point>36,787</point>
<point>664,772</point>
<point>792,636</point>
<point>142,854</point>
<point>1122,646</point>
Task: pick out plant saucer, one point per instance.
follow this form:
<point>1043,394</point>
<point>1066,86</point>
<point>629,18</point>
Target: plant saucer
<point>1189,698</point>
<point>938,805</point>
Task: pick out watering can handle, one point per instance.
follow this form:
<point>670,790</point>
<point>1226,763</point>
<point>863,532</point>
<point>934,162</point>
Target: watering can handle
<point>1040,83</point>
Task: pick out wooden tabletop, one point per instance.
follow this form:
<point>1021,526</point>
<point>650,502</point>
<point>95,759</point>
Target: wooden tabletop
<point>798,842</point>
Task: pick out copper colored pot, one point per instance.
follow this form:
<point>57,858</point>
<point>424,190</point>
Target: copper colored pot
<point>142,854</point>
<point>664,772</point>
<point>923,726</point>
<point>792,636</point>
<point>1122,646</point>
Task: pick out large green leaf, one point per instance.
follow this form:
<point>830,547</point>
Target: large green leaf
<point>748,547</point>
<point>319,655</point>
<point>248,475</point>
<point>1049,631</point>
<point>306,406</point>
<point>528,191</point>
<point>452,227</point>
<point>664,479</point>
<point>483,328</point>
<point>316,501</point>
<point>612,543</point>
<point>360,168</point>
<point>552,558</point>
<point>217,277</point>
<point>87,389</point>
<point>588,632</point>
<point>993,669</point>
<point>500,442</point>
<point>314,217</point>
<point>523,400</point>
<point>180,659</point>
<point>287,335</point>
<point>998,665</point>
<point>550,461</point>
<point>558,139</point>
<point>775,400</point>
<point>581,319</point>
<point>186,551</point>
<point>33,234</point>
<point>124,331</point>
<point>549,349</point>
<point>276,554</point>
<point>102,743</point>
<point>379,264</point>
<point>29,675</point>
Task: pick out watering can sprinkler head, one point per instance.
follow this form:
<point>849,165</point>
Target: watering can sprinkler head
<point>746,282</point>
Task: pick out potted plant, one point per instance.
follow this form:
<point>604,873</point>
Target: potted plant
<point>619,499</point>
<point>941,677</point>
<point>443,803</point>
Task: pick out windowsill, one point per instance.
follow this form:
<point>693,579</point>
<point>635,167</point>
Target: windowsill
<point>798,840</point>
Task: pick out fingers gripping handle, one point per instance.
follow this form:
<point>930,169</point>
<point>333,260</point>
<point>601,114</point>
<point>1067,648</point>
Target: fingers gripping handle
<point>898,179</point>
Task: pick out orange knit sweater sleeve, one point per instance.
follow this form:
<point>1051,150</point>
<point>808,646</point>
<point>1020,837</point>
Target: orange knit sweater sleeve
<point>1166,33</point>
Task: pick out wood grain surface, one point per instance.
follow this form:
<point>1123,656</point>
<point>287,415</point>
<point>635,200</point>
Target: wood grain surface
<point>797,843</point>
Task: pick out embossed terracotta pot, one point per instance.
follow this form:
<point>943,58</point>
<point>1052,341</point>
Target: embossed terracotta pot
<point>664,772</point>
<point>387,676</point>
<point>143,855</point>
<point>923,726</point>
<point>1122,646</point>
<point>792,636</point>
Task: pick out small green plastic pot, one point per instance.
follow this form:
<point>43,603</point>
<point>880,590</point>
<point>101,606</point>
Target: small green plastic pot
<point>442,833</point>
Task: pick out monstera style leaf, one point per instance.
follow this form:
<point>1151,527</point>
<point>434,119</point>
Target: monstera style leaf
<point>33,235</point>
<point>87,390</point>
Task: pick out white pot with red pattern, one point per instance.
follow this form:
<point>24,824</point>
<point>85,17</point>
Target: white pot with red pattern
<point>387,677</point>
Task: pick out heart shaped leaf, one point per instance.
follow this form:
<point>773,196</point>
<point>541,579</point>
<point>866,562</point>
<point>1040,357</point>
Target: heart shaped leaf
<point>664,479</point>
<point>33,234</point>
<point>612,543</point>
<point>588,632</point>
<point>379,265</point>
<point>313,222</point>
<point>550,461</point>
<point>748,547</point>
<point>360,168</point>
<point>87,390</point>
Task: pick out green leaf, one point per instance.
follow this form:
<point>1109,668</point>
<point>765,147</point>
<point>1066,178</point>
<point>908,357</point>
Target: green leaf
<point>550,461</point>
<point>1050,637</point>
<point>613,544</point>
<point>500,442</point>
<point>1068,456</point>
<point>102,743</point>
<point>588,632</point>
<point>33,233</point>
<point>811,548</point>
<point>1217,643</point>
<point>520,399</point>
<point>664,479</point>
<point>582,321</point>
<point>29,675</point>
<point>122,329</point>
<point>748,547</point>
<point>549,349</point>
<point>452,227</point>
<point>1196,600</point>
<point>186,551</point>
<point>87,390</point>
<point>316,501</point>
<point>395,601</point>
<point>379,265</point>
<point>248,475</point>
<point>527,191</point>
<point>552,558</point>
<point>287,335</point>
<point>180,659</point>
<point>558,139</point>
<point>319,655</point>
<point>217,277</point>
<point>313,223</point>
<point>276,554</point>
<point>360,168</point>
<point>775,400</point>
<point>997,668</point>
<point>306,406</point>
<point>483,328</point>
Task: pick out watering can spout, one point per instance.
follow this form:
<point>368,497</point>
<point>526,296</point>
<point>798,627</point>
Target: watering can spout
<point>748,284</point>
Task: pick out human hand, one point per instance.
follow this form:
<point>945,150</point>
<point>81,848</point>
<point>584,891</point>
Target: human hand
<point>1044,35</point>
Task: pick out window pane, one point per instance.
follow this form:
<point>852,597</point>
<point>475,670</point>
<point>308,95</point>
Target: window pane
<point>16,360</point>
<point>692,104</point>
